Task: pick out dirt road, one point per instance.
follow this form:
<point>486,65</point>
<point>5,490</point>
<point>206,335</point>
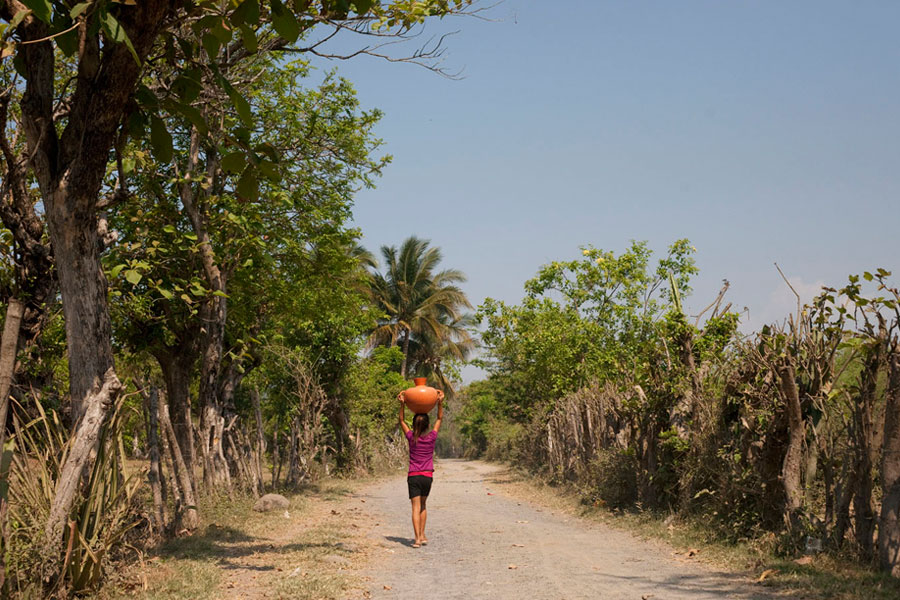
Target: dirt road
<point>485,543</point>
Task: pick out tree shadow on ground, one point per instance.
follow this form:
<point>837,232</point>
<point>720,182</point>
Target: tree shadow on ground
<point>224,543</point>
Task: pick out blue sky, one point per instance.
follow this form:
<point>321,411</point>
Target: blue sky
<point>761,131</point>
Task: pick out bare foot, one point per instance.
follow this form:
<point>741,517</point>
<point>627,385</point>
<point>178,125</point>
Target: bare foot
<point>424,541</point>
<point>416,544</point>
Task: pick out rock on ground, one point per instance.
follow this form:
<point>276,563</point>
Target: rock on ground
<point>271,502</point>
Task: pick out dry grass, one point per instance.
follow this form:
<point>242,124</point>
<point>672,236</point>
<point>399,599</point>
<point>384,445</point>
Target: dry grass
<point>314,552</point>
<point>824,577</point>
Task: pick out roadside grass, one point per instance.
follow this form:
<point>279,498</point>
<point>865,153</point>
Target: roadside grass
<point>823,577</point>
<point>308,554</point>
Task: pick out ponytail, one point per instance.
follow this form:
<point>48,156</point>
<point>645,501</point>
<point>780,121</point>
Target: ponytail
<point>420,424</point>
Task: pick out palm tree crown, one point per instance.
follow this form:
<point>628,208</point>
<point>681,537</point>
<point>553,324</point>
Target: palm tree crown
<point>421,307</point>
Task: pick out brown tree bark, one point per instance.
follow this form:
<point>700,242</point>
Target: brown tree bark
<point>215,314</point>
<point>791,470</point>
<point>864,452</point>
<point>260,438</point>
<point>177,363</point>
<point>9,344</point>
<point>159,508</point>
<point>188,517</point>
<point>889,521</point>
<point>405,353</point>
<point>69,168</point>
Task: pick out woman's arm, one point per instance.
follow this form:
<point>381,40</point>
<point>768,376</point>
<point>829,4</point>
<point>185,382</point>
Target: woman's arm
<point>403,424</point>
<point>437,423</point>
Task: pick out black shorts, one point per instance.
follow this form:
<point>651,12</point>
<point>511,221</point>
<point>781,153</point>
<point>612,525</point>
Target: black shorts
<point>419,485</point>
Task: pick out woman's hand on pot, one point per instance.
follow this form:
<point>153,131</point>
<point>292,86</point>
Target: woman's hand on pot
<point>401,397</point>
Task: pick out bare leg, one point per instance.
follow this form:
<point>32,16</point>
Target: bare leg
<point>423,514</point>
<point>416,519</point>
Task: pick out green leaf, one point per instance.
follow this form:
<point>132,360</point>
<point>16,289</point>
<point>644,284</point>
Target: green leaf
<point>363,6</point>
<point>247,12</point>
<point>160,140</point>
<point>114,272</point>
<point>166,293</point>
<point>222,33</point>
<point>194,116</point>
<point>249,39</point>
<point>234,162</point>
<point>285,22</point>
<point>132,276</point>
<point>210,44</point>
<point>867,276</point>
<point>117,33</point>
<point>78,9</point>
<point>68,42</point>
<point>188,85</point>
<point>240,103</point>
<point>220,293</point>
<point>270,170</point>
<point>17,18</point>
<point>42,9</point>
<point>248,186</point>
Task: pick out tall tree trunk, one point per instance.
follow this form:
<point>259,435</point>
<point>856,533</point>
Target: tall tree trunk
<point>215,314</point>
<point>69,167</point>
<point>276,460</point>
<point>863,502</point>
<point>159,509</point>
<point>889,522</point>
<point>791,470</point>
<point>405,353</point>
<point>188,517</point>
<point>176,364</point>
<point>8,346</point>
<point>260,438</point>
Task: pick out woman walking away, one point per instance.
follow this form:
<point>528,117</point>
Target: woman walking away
<point>421,463</point>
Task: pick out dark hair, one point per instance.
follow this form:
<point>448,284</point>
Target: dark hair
<point>420,424</point>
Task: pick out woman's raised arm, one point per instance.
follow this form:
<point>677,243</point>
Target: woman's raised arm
<point>440,417</point>
<point>403,424</point>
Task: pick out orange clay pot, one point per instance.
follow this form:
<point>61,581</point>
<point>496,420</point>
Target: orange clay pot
<point>420,398</point>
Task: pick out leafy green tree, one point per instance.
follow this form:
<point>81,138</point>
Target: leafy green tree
<point>72,123</point>
<point>418,302</point>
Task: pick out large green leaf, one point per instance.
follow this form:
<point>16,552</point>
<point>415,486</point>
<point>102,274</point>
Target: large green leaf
<point>117,33</point>
<point>248,186</point>
<point>248,37</point>
<point>160,140</point>
<point>246,12</point>
<point>240,103</point>
<point>42,9</point>
<point>211,45</point>
<point>285,22</point>
<point>234,162</point>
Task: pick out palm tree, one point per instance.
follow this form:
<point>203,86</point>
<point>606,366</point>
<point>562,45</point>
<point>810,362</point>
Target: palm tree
<point>419,306</point>
<point>426,353</point>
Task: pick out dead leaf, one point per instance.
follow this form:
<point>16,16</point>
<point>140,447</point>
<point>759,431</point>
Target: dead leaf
<point>521,521</point>
<point>766,574</point>
<point>513,567</point>
<point>518,545</point>
<point>647,596</point>
<point>806,560</point>
<point>490,494</point>
<point>334,512</point>
<point>387,587</point>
